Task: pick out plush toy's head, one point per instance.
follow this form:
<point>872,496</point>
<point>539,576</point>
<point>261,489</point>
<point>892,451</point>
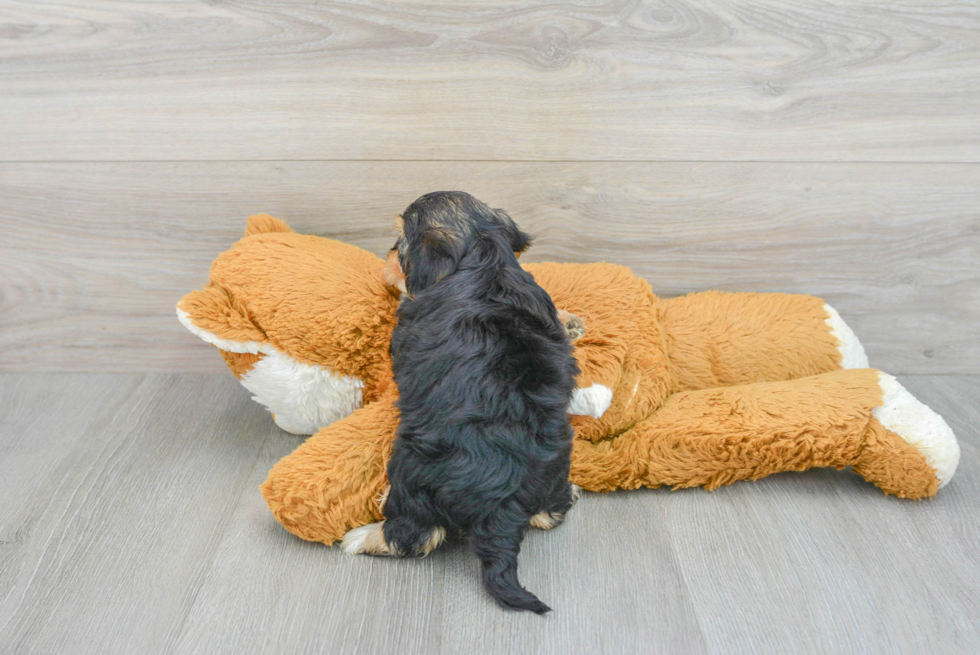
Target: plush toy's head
<point>281,311</point>
<point>305,323</point>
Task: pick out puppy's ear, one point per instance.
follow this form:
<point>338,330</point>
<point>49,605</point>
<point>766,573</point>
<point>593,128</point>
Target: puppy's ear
<point>399,225</point>
<point>519,240</point>
<point>434,257</point>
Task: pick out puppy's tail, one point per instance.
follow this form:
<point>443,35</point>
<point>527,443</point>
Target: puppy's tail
<point>497,542</point>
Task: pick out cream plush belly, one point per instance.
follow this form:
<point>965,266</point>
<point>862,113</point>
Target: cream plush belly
<point>302,397</point>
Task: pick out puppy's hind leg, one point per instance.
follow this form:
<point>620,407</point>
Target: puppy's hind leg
<point>554,514</point>
<point>497,542</point>
<point>411,539</point>
<point>394,538</point>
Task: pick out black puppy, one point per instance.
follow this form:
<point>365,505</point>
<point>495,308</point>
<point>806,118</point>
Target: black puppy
<point>485,372</point>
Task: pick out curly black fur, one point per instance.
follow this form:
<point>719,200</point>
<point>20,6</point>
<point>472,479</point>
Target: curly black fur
<point>485,372</point>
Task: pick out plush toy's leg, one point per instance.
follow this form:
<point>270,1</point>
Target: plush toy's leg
<point>334,481</point>
<point>717,339</point>
<point>860,418</point>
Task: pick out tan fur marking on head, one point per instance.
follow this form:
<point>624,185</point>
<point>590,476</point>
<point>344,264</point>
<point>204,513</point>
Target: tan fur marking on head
<point>399,224</point>
<point>436,235</point>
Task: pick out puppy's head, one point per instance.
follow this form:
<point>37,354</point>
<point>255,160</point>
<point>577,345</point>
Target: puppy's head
<point>438,230</point>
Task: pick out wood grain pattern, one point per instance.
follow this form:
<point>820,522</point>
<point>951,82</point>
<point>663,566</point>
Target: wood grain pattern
<point>789,80</point>
<point>94,256</point>
<point>112,542</point>
<point>269,592</point>
<point>141,533</point>
<point>42,419</point>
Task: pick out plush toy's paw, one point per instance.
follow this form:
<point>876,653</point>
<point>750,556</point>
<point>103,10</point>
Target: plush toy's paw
<point>920,426</point>
<point>590,401</point>
<point>366,540</point>
<point>851,351</point>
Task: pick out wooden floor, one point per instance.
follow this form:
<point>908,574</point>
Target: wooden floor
<point>131,522</point>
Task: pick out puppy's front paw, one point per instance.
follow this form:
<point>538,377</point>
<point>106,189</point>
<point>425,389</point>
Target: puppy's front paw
<point>574,326</point>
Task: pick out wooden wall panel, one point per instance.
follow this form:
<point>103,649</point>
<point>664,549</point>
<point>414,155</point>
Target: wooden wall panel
<point>690,80</point>
<point>94,256</point>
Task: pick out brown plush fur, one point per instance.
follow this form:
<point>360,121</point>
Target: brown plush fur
<point>708,388</point>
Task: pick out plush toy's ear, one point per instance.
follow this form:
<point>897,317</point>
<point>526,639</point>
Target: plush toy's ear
<point>217,317</point>
<point>262,223</point>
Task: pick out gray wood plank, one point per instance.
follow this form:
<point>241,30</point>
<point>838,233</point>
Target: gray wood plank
<point>610,574</point>
<point>687,80</point>
<point>149,535</point>
<point>270,592</point>
<point>114,541</point>
<point>957,399</point>
<point>94,256</point>
<point>43,417</point>
<point>814,562</point>
<point>822,562</point>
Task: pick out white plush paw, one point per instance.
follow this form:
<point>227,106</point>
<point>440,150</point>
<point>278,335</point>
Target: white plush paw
<point>590,401</point>
<point>918,425</point>
<point>367,539</point>
<point>851,351</point>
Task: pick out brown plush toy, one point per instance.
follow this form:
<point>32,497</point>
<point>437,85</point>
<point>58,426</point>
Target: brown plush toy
<point>701,390</point>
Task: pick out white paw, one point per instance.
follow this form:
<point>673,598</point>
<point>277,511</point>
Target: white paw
<point>918,425</point>
<point>591,401</point>
<point>851,351</point>
<point>364,539</point>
